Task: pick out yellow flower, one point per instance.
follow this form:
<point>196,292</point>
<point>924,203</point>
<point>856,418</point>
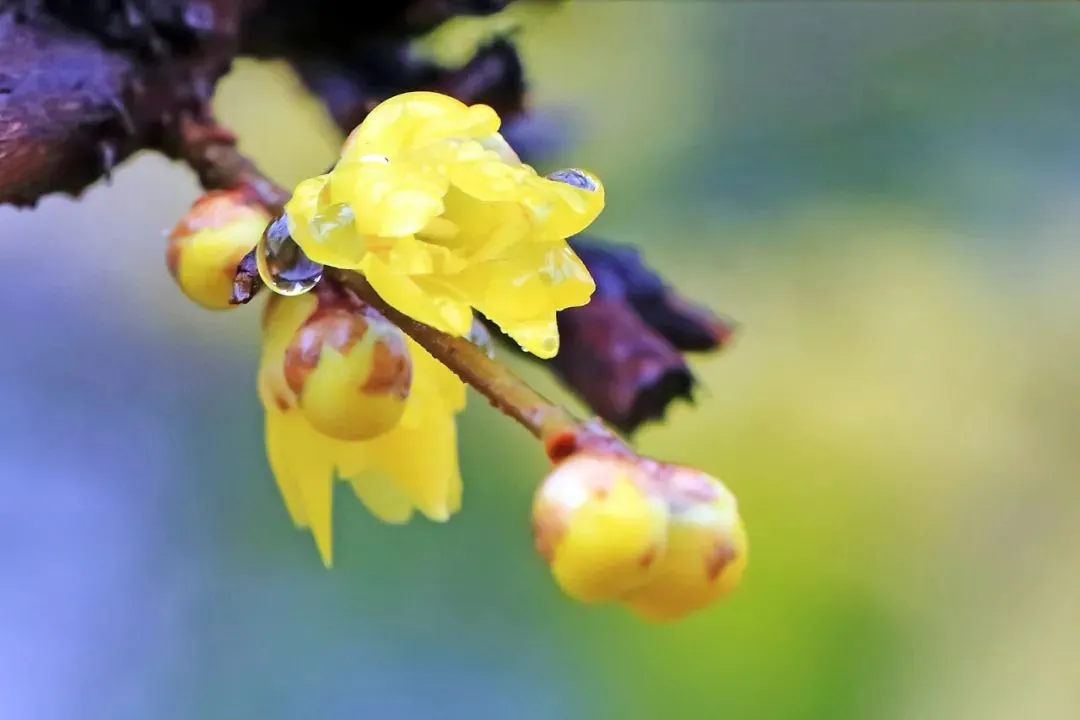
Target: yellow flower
<point>661,539</point>
<point>323,387</point>
<point>434,208</point>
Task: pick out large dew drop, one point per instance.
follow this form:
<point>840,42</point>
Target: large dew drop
<point>282,265</point>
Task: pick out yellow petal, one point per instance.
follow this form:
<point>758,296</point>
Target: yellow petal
<point>402,293</point>
<point>406,296</point>
<point>388,200</point>
<point>447,384</point>
<point>382,497</point>
<point>528,282</point>
<point>426,395</point>
<point>476,121</point>
<point>303,467</point>
<point>420,255</point>
<point>277,434</point>
<point>489,179</point>
<point>302,206</point>
<point>423,462</point>
<point>497,144</point>
<point>575,208</point>
<point>522,291</point>
<point>310,458</point>
<point>325,231</point>
<point>483,230</point>
<point>389,126</point>
<point>409,256</point>
<point>539,337</point>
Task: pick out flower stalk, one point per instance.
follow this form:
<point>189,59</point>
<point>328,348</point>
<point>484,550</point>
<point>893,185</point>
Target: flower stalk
<point>506,392</point>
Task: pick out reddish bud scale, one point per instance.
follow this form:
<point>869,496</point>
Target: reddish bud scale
<point>346,367</point>
<point>342,328</point>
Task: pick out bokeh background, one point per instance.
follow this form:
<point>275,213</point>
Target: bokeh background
<point>884,194</point>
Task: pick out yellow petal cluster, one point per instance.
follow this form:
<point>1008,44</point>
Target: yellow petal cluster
<point>393,440</point>
<point>430,203</point>
<point>663,540</point>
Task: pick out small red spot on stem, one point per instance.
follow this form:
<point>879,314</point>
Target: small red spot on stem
<point>561,446</point>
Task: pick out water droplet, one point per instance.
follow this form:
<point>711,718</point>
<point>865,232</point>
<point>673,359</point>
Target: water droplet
<point>481,338</point>
<point>575,178</point>
<point>282,265</point>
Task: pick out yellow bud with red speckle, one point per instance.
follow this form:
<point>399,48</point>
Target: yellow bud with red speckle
<point>706,549</point>
<point>348,368</point>
<point>664,540</point>
<point>599,527</point>
<point>206,246</point>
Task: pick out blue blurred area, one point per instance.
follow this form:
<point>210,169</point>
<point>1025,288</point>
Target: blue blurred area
<point>884,194</point>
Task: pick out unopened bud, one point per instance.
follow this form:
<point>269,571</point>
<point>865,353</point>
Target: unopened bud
<point>598,526</point>
<point>349,369</point>
<point>206,246</point>
<point>664,540</point>
<point>706,549</point>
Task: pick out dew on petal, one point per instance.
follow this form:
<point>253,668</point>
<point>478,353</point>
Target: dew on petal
<point>575,178</point>
<point>282,265</point>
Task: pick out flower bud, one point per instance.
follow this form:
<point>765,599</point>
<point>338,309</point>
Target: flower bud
<point>349,369</point>
<point>664,540</point>
<point>706,548</point>
<point>598,526</point>
<point>206,246</point>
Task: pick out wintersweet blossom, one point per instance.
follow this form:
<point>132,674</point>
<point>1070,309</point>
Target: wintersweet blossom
<point>438,213</point>
<point>432,205</point>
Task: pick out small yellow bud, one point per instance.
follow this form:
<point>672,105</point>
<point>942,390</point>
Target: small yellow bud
<point>206,246</point>
<point>706,549</point>
<point>665,540</point>
<point>349,369</point>
<point>598,526</point>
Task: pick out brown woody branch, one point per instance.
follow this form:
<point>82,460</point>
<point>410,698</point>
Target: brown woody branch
<point>74,103</point>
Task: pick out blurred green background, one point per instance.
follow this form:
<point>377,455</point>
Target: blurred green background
<point>883,194</point>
